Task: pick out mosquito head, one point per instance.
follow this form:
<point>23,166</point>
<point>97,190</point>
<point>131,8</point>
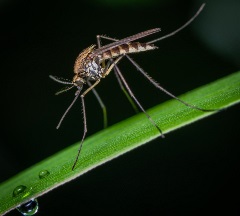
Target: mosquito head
<point>78,81</point>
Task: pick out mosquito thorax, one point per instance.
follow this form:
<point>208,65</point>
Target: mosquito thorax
<point>82,58</point>
<point>93,69</point>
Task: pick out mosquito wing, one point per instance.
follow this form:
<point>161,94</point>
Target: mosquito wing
<point>124,41</point>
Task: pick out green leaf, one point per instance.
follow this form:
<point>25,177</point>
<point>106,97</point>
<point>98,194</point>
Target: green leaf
<point>116,140</point>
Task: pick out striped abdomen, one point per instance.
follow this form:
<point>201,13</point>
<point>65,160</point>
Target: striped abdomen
<point>133,47</point>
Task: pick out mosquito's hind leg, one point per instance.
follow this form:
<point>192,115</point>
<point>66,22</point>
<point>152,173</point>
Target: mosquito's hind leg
<point>135,99</point>
<point>101,104</point>
<point>164,90</point>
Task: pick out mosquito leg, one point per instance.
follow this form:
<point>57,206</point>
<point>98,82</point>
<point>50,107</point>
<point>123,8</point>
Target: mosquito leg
<point>163,89</point>
<point>114,63</point>
<point>136,101</point>
<point>104,37</point>
<point>84,117</point>
<point>99,43</point>
<point>101,104</point>
<point>84,132</point>
<point>163,37</point>
<point>70,106</point>
<point>99,37</point>
<point>90,88</point>
<point>125,92</point>
<point>181,28</point>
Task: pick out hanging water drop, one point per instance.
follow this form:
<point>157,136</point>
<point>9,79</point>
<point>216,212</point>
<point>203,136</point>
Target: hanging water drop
<point>43,174</point>
<point>29,208</point>
<point>19,190</point>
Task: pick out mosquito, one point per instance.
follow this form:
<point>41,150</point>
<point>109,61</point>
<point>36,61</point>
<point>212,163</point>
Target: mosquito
<point>93,64</point>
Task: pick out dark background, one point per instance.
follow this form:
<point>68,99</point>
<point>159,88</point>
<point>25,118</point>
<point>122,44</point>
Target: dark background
<point>192,170</point>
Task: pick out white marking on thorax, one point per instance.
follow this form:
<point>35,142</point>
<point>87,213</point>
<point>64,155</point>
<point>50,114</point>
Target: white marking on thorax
<point>93,69</point>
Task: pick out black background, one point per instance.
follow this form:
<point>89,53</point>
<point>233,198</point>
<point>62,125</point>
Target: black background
<point>193,170</point>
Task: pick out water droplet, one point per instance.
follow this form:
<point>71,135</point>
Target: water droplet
<point>43,174</point>
<point>19,190</point>
<point>29,208</point>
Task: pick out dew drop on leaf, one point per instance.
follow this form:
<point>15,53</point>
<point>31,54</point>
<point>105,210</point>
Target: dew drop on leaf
<point>43,174</point>
<point>29,208</point>
<point>20,189</point>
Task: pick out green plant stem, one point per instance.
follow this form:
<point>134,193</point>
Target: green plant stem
<point>119,139</point>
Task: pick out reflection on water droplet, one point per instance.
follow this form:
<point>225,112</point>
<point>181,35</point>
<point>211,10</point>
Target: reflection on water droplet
<point>19,190</point>
<point>43,174</point>
<point>29,208</point>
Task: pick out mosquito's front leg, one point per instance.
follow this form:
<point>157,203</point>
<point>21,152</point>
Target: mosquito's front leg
<point>84,132</point>
<point>90,88</point>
